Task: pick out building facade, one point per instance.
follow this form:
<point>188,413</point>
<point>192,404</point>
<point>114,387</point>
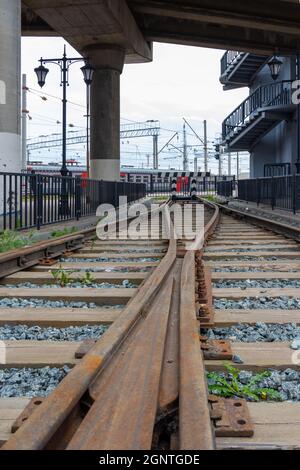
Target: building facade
<point>266,124</point>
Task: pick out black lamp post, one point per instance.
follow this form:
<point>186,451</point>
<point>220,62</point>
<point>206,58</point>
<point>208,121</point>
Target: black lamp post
<point>88,73</point>
<point>64,63</point>
<point>275,66</point>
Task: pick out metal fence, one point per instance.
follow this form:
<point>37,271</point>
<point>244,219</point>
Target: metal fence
<point>226,188</point>
<point>228,58</point>
<point>205,186</point>
<point>278,191</point>
<point>34,200</point>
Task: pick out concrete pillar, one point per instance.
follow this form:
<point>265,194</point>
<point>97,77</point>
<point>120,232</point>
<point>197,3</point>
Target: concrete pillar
<point>10,85</point>
<point>105,111</point>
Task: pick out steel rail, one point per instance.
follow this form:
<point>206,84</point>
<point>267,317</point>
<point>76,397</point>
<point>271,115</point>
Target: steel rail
<point>273,225</point>
<point>116,363</point>
<point>50,416</point>
<point>20,259</point>
<point>23,258</point>
<point>195,429</point>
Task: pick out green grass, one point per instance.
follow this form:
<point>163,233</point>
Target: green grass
<point>212,198</point>
<point>159,198</point>
<point>11,240</point>
<point>228,385</point>
<point>63,277</point>
<point>65,231</point>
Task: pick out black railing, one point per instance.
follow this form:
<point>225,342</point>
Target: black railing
<point>277,169</point>
<point>34,200</point>
<point>278,191</point>
<point>205,186</point>
<point>226,188</point>
<point>272,94</point>
<point>227,60</point>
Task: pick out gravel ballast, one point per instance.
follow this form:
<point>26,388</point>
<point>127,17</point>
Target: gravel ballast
<point>108,260</point>
<point>112,269</point>
<point>268,284</point>
<point>37,333</point>
<point>253,258</point>
<point>247,269</point>
<point>243,332</point>
<point>286,382</point>
<point>250,250</point>
<point>252,303</point>
<point>29,382</point>
<point>16,302</point>
<point>76,285</point>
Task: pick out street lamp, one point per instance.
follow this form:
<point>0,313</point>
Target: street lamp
<point>88,73</point>
<point>41,72</point>
<point>64,65</point>
<point>275,66</point>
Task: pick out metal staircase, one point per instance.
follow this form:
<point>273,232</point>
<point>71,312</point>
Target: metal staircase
<point>239,68</point>
<point>258,114</point>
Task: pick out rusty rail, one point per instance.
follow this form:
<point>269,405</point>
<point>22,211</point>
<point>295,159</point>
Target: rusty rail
<point>126,386</point>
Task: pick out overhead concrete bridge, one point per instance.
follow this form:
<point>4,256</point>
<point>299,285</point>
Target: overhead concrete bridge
<point>114,32</point>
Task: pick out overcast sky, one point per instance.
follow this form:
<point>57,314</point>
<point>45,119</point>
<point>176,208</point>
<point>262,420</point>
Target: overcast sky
<point>180,82</point>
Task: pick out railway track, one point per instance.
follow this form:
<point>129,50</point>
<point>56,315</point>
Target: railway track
<point>143,383</point>
<point>254,266</point>
<point>122,391</point>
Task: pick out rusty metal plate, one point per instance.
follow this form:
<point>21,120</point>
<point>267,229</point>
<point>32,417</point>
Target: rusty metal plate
<point>26,413</point>
<point>84,348</point>
<point>47,261</point>
<point>216,349</point>
<point>231,417</point>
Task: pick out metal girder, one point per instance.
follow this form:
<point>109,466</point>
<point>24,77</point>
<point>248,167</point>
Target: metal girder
<point>128,131</point>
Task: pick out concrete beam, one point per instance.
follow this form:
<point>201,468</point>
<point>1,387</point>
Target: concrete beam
<point>33,25</point>
<point>255,14</point>
<point>89,22</point>
<point>218,37</point>
<point>215,23</point>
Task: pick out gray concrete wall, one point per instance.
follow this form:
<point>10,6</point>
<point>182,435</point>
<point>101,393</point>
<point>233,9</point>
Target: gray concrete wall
<point>280,144</point>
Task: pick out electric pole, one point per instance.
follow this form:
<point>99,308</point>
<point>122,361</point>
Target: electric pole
<point>24,122</point>
<point>195,164</point>
<point>185,156</point>
<point>237,165</point>
<point>205,146</point>
<point>229,164</point>
<point>155,152</point>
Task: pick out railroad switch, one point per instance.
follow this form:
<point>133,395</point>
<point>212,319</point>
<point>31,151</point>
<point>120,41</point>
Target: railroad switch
<point>231,417</point>
<point>216,349</point>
